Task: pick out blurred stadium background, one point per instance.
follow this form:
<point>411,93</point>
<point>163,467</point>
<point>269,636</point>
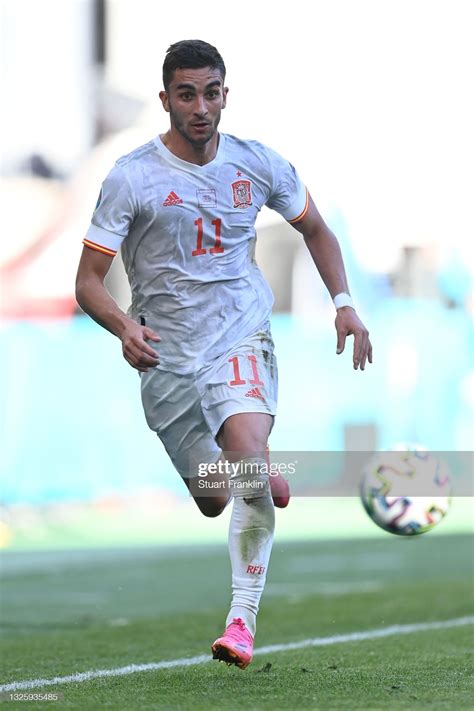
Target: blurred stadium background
<point>371,102</point>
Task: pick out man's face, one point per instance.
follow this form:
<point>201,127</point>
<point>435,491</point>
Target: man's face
<point>194,100</point>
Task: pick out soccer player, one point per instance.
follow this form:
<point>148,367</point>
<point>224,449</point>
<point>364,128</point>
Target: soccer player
<point>182,209</point>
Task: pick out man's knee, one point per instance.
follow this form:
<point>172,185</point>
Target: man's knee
<point>245,434</point>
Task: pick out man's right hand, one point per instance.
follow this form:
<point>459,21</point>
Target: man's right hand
<point>135,349</point>
<point>96,301</point>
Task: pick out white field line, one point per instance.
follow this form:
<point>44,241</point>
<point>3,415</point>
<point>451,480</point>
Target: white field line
<point>193,661</point>
<point>330,589</point>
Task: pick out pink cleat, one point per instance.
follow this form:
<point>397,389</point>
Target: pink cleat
<point>279,487</point>
<point>235,646</point>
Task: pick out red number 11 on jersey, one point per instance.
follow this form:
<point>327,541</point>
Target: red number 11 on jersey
<point>217,249</point>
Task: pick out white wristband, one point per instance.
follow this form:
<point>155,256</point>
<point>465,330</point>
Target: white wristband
<point>343,299</point>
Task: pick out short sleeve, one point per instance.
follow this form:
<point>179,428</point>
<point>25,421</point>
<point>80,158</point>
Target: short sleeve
<point>113,214</point>
<point>289,195</point>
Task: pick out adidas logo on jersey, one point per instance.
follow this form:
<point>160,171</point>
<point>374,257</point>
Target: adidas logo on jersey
<point>172,199</point>
<point>255,392</point>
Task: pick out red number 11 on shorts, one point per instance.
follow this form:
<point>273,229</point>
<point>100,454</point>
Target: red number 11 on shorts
<point>240,381</point>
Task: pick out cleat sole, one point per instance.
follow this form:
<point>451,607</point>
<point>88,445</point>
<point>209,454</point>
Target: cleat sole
<point>223,654</point>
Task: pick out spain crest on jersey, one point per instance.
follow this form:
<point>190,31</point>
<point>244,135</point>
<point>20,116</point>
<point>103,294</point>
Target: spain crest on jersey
<point>242,193</point>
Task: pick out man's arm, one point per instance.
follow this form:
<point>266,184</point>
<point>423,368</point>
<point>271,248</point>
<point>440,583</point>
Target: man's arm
<point>326,254</point>
<point>95,300</point>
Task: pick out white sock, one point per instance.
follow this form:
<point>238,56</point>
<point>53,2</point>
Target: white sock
<point>251,530</point>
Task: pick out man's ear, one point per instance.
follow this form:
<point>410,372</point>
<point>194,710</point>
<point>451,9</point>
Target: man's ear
<point>225,91</point>
<point>164,100</point>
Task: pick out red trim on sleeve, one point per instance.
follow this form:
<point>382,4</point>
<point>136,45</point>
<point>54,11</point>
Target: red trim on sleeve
<point>99,247</point>
<point>303,213</point>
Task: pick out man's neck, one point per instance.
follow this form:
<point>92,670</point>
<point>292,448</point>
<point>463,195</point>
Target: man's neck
<point>180,147</point>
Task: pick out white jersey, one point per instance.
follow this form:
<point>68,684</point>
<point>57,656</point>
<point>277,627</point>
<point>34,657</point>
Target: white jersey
<point>187,237</point>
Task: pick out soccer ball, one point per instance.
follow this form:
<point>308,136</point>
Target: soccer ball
<point>406,493</point>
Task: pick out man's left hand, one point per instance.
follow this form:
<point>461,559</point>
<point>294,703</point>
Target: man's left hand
<point>349,324</point>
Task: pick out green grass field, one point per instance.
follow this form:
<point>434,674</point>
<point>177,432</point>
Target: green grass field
<point>77,611</point>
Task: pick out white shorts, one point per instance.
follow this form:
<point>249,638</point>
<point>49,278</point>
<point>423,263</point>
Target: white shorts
<point>187,411</point>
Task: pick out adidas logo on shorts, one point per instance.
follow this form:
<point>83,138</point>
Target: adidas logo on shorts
<point>255,392</point>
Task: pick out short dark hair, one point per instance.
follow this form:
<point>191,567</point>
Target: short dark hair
<point>191,54</point>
